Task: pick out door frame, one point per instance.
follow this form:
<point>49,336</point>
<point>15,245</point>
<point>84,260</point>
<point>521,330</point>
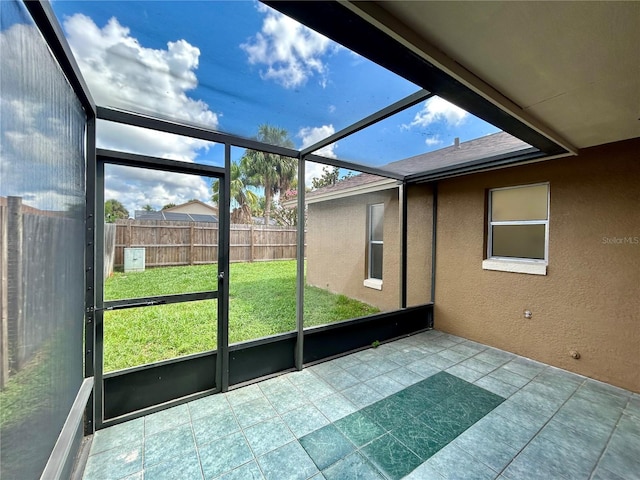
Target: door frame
<point>137,391</point>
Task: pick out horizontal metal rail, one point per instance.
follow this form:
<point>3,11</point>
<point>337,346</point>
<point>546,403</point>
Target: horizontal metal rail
<point>62,452</point>
<point>158,300</point>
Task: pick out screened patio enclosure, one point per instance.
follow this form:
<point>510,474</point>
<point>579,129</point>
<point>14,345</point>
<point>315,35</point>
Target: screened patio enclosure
<point>65,155</point>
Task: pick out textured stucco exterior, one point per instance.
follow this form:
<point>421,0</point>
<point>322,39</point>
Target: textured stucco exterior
<point>588,302</point>
<point>419,242</point>
<point>336,247</point>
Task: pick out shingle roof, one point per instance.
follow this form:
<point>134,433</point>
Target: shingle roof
<point>174,216</point>
<point>480,148</point>
<point>477,149</point>
<point>347,183</point>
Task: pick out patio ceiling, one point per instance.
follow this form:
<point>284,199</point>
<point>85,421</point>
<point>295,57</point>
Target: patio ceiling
<point>571,67</point>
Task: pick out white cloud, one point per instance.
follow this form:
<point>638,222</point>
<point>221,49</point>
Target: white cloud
<point>312,135</point>
<point>437,109</point>
<point>291,52</point>
<point>122,73</point>
<point>433,140</point>
<point>41,136</point>
<point>309,136</point>
<point>143,141</point>
<point>137,187</point>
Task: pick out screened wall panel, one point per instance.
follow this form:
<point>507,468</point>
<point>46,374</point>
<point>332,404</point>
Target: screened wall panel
<point>419,243</point>
<point>42,207</point>
<point>262,248</point>
<point>352,266</point>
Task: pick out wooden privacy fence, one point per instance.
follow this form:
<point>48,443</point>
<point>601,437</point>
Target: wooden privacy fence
<point>41,269</point>
<point>172,243</point>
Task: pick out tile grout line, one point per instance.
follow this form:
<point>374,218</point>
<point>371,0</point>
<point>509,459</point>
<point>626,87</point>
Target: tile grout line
<point>541,428</point>
<point>195,441</point>
<point>606,445</point>
<point>308,401</point>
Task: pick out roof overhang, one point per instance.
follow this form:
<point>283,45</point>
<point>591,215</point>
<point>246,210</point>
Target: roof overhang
<point>371,187</point>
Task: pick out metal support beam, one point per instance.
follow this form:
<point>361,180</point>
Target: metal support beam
<point>90,271</point>
<point>156,163</point>
<point>402,204</point>
<point>299,353</point>
<point>192,131</point>
<point>376,117</point>
<point>47,22</point>
<point>434,227</point>
<point>224,217</point>
<point>334,162</point>
<point>98,313</point>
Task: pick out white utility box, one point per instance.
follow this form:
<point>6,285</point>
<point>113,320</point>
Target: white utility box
<point>133,260</point>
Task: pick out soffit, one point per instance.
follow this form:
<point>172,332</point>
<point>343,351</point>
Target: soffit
<point>574,66</point>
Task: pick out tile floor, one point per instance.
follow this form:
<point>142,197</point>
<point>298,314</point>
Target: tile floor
<point>430,406</point>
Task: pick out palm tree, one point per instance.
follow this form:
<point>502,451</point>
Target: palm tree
<point>275,173</point>
<point>243,200</point>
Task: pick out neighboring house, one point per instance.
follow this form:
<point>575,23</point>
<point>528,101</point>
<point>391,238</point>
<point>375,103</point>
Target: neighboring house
<point>192,211</point>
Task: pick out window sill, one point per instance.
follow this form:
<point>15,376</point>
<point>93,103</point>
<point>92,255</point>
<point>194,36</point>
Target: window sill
<point>531,268</point>
<point>373,283</point>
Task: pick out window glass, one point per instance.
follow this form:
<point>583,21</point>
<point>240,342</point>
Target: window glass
<point>518,222</point>
<point>376,227</point>
<point>376,261</point>
<point>377,222</point>
<point>525,203</point>
<point>520,241</point>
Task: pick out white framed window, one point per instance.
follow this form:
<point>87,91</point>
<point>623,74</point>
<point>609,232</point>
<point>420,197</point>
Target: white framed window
<point>375,245</point>
<point>518,229</point>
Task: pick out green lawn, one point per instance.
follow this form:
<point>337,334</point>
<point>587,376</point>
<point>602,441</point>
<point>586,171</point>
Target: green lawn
<point>262,301</point>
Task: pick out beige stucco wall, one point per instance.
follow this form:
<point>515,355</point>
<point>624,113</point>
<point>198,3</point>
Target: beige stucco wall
<point>336,248</point>
<point>337,239</point>
<point>419,241</point>
<point>589,301</point>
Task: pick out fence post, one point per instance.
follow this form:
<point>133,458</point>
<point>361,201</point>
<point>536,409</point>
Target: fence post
<point>251,242</point>
<point>15,298</point>
<point>4,334</point>
<point>191,233</point>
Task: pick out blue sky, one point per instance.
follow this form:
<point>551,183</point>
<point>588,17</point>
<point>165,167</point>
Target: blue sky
<point>235,65</point>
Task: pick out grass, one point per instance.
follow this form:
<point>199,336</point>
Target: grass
<point>262,302</point>
<point>33,406</point>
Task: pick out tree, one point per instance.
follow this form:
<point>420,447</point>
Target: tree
<point>243,200</point>
<point>286,215</point>
<point>148,208</point>
<point>114,210</point>
<point>329,177</point>
<point>168,205</point>
<point>275,173</point>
